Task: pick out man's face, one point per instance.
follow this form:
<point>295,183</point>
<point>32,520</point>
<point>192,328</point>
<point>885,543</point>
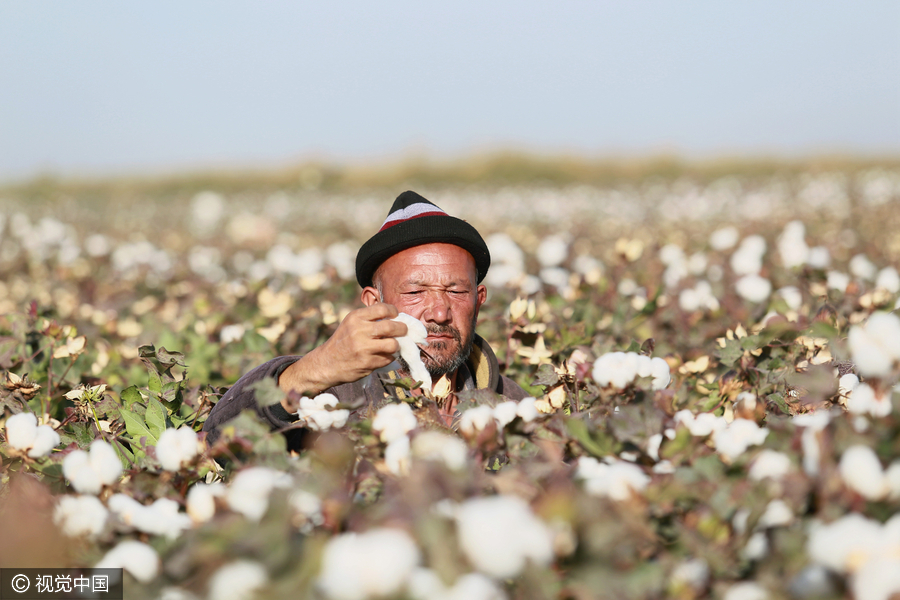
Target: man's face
<point>437,284</point>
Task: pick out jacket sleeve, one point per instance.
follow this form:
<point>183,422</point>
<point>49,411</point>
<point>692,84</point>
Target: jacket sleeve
<point>241,397</point>
<point>510,389</point>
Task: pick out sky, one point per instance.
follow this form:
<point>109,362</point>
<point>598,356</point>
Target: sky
<point>111,87</point>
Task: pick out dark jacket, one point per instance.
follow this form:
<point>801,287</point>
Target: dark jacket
<point>481,371</point>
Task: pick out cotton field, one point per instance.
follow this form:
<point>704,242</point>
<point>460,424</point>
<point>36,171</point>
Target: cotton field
<point>713,363</point>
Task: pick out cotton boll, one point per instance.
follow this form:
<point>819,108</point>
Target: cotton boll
<point>627,287</point>
<point>757,547</point>
<point>740,434</point>
<point>888,279</point>
<point>89,471</point>
<point>616,481</point>
<point>394,421</point>
<point>527,410</point>
<point>616,369</point>
<point>137,558</point>
<point>700,425</point>
<point>747,259</point>
<point>847,384</point>
<point>819,258</point>
<point>692,573</point>
<point>697,263</point>
<point>473,586</point>
<point>80,515</point>
<point>409,350</point>
<point>504,275</point>
<point>552,251</point>
<point>770,464</point>
<point>201,501</point>
<point>861,471</point>
<point>838,281</point>
<point>862,267</point>
<point>792,297</point>
<point>746,590</point>
<point>476,419</point>
<point>249,491</point>
<point>724,238</point>
<point>875,345</point>
<point>864,400</point>
<point>846,543</point>
<point>176,447</point>
<point>753,288</point>
<point>671,254</point>
<point>555,276</point>
<point>877,579</point>
<point>504,250</point>
<point>505,412</point>
<point>238,580</point>
<point>436,446</point>
<point>317,414</point>
<point>396,456</point>
<point>777,514</point>
<point>21,429</point>
<point>308,507</point>
<point>792,245</point>
<point>499,535</point>
<point>374,564</point>
<point>659,371</point>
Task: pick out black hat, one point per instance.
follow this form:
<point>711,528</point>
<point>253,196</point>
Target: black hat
<point>413,221</point>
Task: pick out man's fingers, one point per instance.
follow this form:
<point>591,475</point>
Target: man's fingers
<point>377,312</point>
<point>388,329</point>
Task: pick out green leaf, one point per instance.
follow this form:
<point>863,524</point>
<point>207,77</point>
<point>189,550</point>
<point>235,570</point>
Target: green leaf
<point>168,359</point>
<point>154,382</point>
<point>731,353</point>
<point>83,433</point>
<point>155,417</point>
<point>136,427</point>
<point>780,402</point>
<point>599,446</point>
<point>546,375</point>
<point>125,455</point>
<point>130,395</point>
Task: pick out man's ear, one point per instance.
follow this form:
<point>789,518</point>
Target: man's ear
<point>481,297</point>
<point>370,296</point>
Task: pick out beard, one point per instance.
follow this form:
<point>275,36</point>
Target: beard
<point>439,363</point>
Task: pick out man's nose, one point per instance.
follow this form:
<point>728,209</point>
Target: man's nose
<point>437,309</point>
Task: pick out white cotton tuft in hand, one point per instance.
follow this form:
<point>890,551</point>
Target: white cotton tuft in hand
<point>409,350</point>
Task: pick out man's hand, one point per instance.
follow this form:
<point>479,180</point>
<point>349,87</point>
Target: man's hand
<point>363,342</point>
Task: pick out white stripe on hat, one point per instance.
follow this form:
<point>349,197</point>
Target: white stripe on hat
<point>411,211</point>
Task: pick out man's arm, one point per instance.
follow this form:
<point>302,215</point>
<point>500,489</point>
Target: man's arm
<point>363,342</point>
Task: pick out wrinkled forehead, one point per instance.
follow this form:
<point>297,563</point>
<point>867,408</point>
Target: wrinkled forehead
<point>434,263</point>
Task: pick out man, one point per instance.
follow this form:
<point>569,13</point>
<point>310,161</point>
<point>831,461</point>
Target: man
<point>422,262</point>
